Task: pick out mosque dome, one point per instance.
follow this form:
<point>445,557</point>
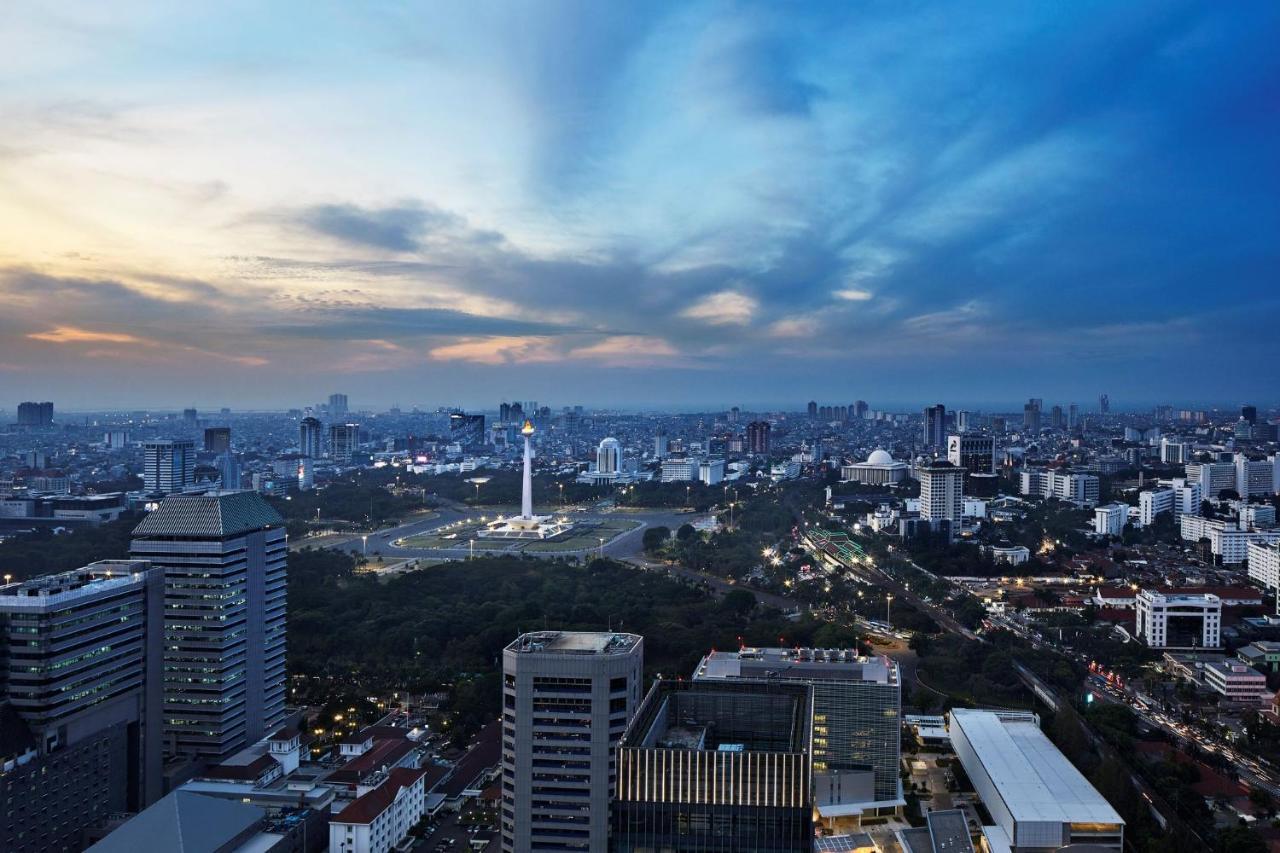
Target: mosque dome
<point>879,457</point>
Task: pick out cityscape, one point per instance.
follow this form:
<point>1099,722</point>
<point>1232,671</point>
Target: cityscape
<point>554,427</point>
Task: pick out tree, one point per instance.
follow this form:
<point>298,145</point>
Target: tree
<point>685,532</point>
<point>655,538</point>
<point>739,601</point>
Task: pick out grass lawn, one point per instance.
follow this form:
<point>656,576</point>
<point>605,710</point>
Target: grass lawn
<point>585,534</point>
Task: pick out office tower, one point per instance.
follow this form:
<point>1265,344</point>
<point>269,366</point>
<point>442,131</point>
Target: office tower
<point>35,414</point>
<point>337,405</point>
<point>217,440</point>
<point>343,440</point>
<point>609,457</point>
<point>1056,419</point>
<point>80,701</point>
<point>941,492</point>
<point>715,767</point>
<point>223,556</point>
<point>734,415</point>
<point>976,454</point>
<point>1104,403</point>
<point>963,421</point>
<point>859,410</point>
<point>1073,416</point>
<point>1249,413</point>
<point>935,426</point>
<point>661,445</point>
<point>466,430</point>
<point>857,711</point>
<point>504,413</point>
<point>1031,417</point>
<point>567,697</point>
<point>813,409</point>
<point>168,465</point>
<point>758,437</point>
<point>311,438</point>
<point>190,416</point>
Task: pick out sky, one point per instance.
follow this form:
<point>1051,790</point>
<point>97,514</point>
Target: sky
<point>646,204</point>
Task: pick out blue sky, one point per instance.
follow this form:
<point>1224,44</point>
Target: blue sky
<point>693,204</point>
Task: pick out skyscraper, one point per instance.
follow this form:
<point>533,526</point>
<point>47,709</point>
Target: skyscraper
<point>343,440</point>
<point>1056,418</point>
<point>859,410</point>
<point>338,405</point>
<point>1104,403</point>
<point>80,701</point>
<point>609,457</point>
<point>217,439</point>
<point>1031,417</point>
<point>191,416</point>
<point>1249,413</point>
<point>168,465</point>
<point>311,438</point>
<point>758,437</point>
<point>942,492</point>
<point>813,409</point>
<point>466,430</point>
<point>567,697</point>
<point>35,414</point>
<point>717,767</point>
<point>1073,416</point>
<point>734,414</point>
<point>935,426</point>
<point>975,453</point>
<point>223,557</point>
<point>504,413</point>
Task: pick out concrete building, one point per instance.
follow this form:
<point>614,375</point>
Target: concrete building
<point>168,466</point>
<point>1174,452</point>
<point>1179,498</point>
<point>380,819</point>
<point>1110,519</point>
<point>223,555</point>
<point>941,492</point>
<point>1261,654</point>
<point>711,471</point>
<point>945,831</point>
<point>1174,621</point>
<point>1213,477</point>
<point>217,440</point>
<point>1038,800</point>
<point>857,710</point>
<point>935,427</point>
<point>567,697</point>
<point>343,441</point>
<point>80,701</point>
<point>1254,477</point>
<point>1079,489</point>
<point>1264,564</point>
<point>1236,680</point>
<point>311,438</point>
<point>880,469</point>
<point>679,470</point>
<point>758,437</point>
<point>717,767</point>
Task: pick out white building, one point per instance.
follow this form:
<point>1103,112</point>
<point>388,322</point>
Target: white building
<point>1153,502</point>
<point>679,470</point>
<point>941,492</point>
<point>1174,452</point>
<point>1109,519</point>
<point>168,466</point>
<point>1213,477</point>
<point>711,471</point>
<point>378,820</point>
<point>1038,800</point>
<point>880,469</point>
<point>1173,621</point>
<point>1264,564</point>
<point>609,458</point>
<point>1012,555</point>
<point>1079,489</point>
<point>1254,476</point>
<point>1236,680</point>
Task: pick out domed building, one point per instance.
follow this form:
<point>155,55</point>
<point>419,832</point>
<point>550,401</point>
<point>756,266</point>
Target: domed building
<point>880,469</point>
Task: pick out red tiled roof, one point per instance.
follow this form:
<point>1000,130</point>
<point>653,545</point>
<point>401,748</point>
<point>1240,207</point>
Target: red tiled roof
<point>366,809</point>
<point>482,757</point>
<point>385,752</point>
<point>241,772</point>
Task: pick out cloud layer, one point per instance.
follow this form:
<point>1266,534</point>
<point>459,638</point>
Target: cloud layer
<point>697,203</point>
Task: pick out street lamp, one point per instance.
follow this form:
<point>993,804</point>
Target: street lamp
<point>561,494</point>
<point>471,543</point>
<point>888,599</point>
<point>364,548</point>
<point>601,538</point>
<point>7,579</point>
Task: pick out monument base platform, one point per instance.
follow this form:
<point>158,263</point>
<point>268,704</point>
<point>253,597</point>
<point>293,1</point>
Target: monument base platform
<point>519,527</point>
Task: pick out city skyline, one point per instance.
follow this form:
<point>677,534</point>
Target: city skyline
<point>650,205</point>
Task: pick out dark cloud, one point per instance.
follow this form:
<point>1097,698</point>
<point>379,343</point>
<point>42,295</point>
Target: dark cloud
<point>398,228</point>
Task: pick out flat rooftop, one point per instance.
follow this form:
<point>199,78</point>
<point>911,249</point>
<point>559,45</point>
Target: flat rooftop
<point>1035,780</point>
<point>575,643</point>
<point>50,590</point>
<point>723,716</point>
<point>800,664</point>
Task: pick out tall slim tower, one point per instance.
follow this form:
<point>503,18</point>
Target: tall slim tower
<point>526,491</point>
<point>168,466</point>
<point>567,697</point>
<point>311,438</point>
<point>935,426</point>
<point>223,556</point>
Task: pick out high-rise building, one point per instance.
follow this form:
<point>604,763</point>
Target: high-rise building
<point>609,458</point>
<point>813,409</point>
<point>217,440</point>
<point>758,437</point>
<point>1056,419</point>
<point>717,767</point>
<point>191,416</point>
<point>976,454</point>
<point>338,405</point>
<point>504,412</point>
<point>941,492</point>
<point>857,705</point>
<point>567,698</point>
<point>1249,413</point>
<point>343,440</point>
<point>168,465</point>
<point>80,701</point>
<point>935,426</point>
<point>1104,403</point>
<point>1073,416</point>
<point>223,555</point>
<point>964,421</point>
<point>311,438</point>
<point>1031,417</point>
<point>734,414</point>
<point>35,414</point>
<point>466,430</point>
<point>860,410</point>
<point>1179,620</point>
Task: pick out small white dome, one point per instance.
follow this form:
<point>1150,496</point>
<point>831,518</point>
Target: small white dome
<point>879,457</point>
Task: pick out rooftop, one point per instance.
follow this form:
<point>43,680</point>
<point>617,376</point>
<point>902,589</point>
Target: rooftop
<point>95,578</point>
<point>214,514</point>
<point>1035,780</point>
<point>366,808</point>
<point>798,663</point>
<point>575,642</point>
<point>727,716</point>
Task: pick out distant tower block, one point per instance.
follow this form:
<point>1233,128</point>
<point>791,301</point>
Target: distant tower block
<point>526,525</point>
